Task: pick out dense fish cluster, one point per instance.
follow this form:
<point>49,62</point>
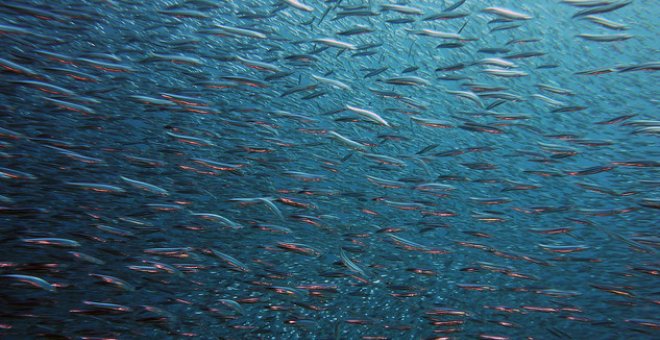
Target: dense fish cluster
<point>339,169</point>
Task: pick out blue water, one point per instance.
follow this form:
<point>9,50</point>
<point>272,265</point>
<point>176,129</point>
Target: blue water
<point>329,169</point>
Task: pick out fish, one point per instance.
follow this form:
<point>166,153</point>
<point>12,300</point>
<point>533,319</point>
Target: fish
<point>347,141</point>
<point>217,218</point>
<point>11,66</point>
<point>53,241</point>
<point>604,7</point>
<point>218,29</point>
<point>97,187</point>
<point>507,13</point>
<point>173,58</point>
<point>114,281</point>
<point>408,80</point>
<point>402,9</point>
<point>33,281</point>
<point>355,30</point>
<point>605,37</point>
<point>437,34</point>
<point>299,5</point>
<point>335,43</point>
<point>332,82</point>
<point>605,23</point>
<point>70,106</point>
<point>145,186</point>
<point>11,174</point>
<point>233,263</point>
<point>369,115</point>
<point>445,15</point>
<point>350,264</point>
<point>97,307</point>
<point>297,169</point>
<point>506,73</point>
<point>259,65</point>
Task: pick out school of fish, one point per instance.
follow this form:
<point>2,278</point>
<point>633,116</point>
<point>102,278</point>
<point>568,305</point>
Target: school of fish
<point>338,169</point>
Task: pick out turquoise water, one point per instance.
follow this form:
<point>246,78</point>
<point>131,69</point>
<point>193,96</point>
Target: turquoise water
<point>329,169</point>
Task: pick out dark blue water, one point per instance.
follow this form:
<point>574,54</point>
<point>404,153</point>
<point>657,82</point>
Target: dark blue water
<point>329,169</point>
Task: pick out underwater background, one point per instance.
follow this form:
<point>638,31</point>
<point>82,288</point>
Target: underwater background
<point>302,169</point>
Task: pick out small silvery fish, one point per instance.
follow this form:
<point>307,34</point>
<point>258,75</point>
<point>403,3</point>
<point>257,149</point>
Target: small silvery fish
<point>300,169</point>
